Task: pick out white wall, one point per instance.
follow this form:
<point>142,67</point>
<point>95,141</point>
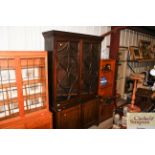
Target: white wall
<point>132,38</point>
<point>30,38</point>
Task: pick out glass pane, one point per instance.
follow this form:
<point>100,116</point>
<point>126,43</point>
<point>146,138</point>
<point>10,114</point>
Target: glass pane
<point>34,83</point>
<point>8,88</point>
<point>14,108</point>
<point>67,70</point>
<point>8,76</point>
<point>33,103</point>
<point>91,53</point>
<point>12,92</point>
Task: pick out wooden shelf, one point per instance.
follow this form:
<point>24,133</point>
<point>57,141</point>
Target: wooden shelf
<point>14,84</point>
<point>141,60</point>
<point>33,81</point>
<point>66,95</point>
<point>145,60</point>
<point>35,96</point>
<point>8,85</point>
<point>10,116</point>
<point>33,66</point>
<point>121,47</point>
<point>138,61</point>
<point>110,71</point>
<point>15,99</point>
<point>107,85</point>
<point>8,101</point>
<point>27,111</point>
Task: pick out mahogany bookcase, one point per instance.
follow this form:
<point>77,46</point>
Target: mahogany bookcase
<point>73,64</point>
<point>24,90</point>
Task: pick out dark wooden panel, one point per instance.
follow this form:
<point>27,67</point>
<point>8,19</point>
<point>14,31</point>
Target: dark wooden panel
<point>105,110</point>
<point>69,118</point>
<point>68,35</point>
<point>89,113</point>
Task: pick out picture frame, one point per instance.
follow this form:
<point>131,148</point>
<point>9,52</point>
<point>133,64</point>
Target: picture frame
<point>135,53</point>
<point>145,49</point>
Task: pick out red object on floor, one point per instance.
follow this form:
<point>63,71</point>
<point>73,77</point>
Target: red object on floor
<point>133,108</point>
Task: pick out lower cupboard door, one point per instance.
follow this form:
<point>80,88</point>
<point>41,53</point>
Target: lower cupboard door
<point>69,118</point>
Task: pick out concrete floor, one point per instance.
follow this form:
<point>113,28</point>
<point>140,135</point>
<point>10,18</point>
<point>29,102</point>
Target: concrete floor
<point>107,124</point>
